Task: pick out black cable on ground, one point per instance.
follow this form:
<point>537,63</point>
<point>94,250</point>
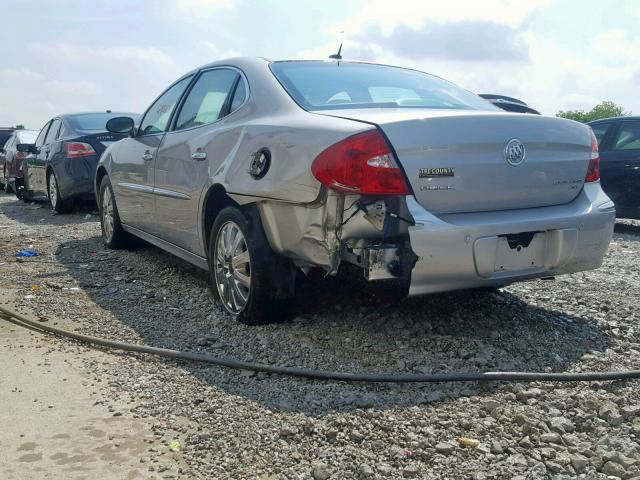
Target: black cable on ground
<point>322,374</point>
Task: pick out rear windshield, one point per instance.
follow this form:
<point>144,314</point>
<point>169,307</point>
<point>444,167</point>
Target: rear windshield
<point>94,121</point>
<point>27,137</point>
<point>4,136</point>
<point>334,85</point>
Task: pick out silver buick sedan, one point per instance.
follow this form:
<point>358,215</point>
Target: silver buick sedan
<point>256,170</point>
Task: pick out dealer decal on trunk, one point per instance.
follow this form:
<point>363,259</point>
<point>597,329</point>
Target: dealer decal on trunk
<point>436,172</point>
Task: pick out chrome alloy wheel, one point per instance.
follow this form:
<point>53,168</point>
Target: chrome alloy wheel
<point>53,190</point>
<point>107,214</point>
<point>232,268</point>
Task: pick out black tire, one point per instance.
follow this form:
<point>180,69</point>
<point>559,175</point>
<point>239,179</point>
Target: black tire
<point>263,269</point>
<point>26,196</point>
<point>56,202</point>
<point>17,190</point>
<point>113,235</point>
<point>7,185</point>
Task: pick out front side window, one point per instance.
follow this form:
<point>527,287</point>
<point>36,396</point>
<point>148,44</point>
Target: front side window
<point>332,85</point>
<point>157,117</point>
<point>206,101</point>
<point>628,136</point>
<point>42,134</point>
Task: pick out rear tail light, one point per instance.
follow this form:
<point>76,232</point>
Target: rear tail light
<point>593,171</point>
<point>362,164</point>
<point>78,149</point>
<point>20,155</point>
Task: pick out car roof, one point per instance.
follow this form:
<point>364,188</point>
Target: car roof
<point>239,62</point>
<point>622,117</point>
<point>79,114</point>
<point>26,133</point>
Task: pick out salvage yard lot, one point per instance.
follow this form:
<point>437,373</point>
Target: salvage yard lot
<point>234,424</point>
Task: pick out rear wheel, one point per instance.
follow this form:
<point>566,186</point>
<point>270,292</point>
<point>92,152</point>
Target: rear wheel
<point>58,204</point>
<point>113,235</point>
<point>240,268</point>
<point>4,183</point>
<point>18,188</point>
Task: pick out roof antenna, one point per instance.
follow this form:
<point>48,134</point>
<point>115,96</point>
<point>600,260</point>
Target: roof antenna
<point>337,56</point>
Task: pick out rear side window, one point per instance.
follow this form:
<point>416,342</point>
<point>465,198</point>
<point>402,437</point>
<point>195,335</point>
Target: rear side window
<point>53,131</point>
<point>239,96</point>
<point>333,85</point>
<point>206,102</point>
<point>9,143</point>
<point>157,117</point>
<point>4,137</point>
<point>600,130</point>
<point>42,134</point>
<point>628,136</point>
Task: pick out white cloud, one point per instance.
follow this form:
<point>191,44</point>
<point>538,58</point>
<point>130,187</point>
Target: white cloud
<point>388,15</point>
<point>67,51</point>
<point>205,7</point>
<point>214,53</point>
<point>148,55</point>
<point>616,47</point>
<point>549,74</point>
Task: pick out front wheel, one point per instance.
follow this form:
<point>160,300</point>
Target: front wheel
<point>113,235</point>
<point>240,266</point>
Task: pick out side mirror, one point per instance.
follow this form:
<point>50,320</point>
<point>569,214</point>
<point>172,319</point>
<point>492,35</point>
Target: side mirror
<point>121,125</point>
<point>26,148</point>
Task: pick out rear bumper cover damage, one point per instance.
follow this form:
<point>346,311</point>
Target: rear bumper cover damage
<point>447,252</point>
<point>458,251</point>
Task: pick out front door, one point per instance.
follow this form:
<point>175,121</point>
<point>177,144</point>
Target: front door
<point>132,170</point>
<point>188,151</point>
<point>35,164</point>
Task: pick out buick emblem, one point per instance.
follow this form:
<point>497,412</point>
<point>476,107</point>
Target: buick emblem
<point>514,152</point>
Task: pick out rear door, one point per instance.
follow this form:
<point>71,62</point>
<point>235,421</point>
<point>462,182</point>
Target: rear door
<point>51,149</point>
<point>132,169</point>
<point>200,133</point>
<point>620,164</point>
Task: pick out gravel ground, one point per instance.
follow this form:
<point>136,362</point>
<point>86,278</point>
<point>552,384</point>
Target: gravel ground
<point>241,425</point>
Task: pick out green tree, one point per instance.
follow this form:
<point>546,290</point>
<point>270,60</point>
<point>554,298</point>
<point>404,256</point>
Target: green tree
<point>19,127</point>
<point>604,109</point>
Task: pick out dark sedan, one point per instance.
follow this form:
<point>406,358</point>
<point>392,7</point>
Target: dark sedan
<point>62,163</point>
<point>619,142</point>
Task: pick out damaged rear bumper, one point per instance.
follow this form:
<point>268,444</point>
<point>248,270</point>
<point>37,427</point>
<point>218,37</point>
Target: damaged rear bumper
<point>459,251</point>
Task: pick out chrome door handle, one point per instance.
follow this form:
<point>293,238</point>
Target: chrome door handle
<point>147,156</point>
<point>199,155</point>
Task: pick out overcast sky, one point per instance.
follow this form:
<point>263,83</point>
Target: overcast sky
<point>62,56</point>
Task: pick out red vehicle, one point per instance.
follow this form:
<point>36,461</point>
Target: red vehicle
<point>11,178</point>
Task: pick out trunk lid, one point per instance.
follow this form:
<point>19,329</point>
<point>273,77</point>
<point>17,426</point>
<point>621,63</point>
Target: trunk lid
<point>99,140</point>
<point>455,160</point>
